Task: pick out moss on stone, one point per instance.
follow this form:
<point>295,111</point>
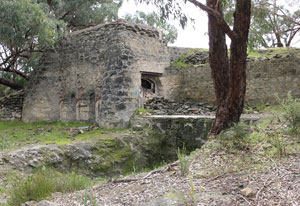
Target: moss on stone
<point>273,52</point>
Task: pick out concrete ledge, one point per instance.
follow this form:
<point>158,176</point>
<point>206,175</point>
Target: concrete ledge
<point>243,117</point>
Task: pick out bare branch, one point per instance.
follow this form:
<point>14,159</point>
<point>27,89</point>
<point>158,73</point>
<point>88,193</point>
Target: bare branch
<point>221,21</point>
<point>11,84</point>
<point>65,14</point>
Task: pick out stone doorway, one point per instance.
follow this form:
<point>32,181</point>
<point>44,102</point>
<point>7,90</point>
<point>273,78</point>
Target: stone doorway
<point>151,85</point>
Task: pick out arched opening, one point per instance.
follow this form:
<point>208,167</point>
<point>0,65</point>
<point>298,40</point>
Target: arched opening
<point>147,84</point>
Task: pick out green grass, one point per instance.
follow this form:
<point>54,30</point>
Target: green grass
<point>16,133</point>
<point>41,184</point>
<point>271,52</point>
<point>181,64</point>
<point>183,161</point>
<point>11,178</point>
<point>142,111</point>
<point>291,112</point>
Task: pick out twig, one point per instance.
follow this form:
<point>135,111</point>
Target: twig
<point>124,180</point>
<point>263,187</point>
<point>277,170</point>
<point>244,199</point>
<point>160,170</point>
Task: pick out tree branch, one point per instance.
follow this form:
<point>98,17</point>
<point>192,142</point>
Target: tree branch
<point>11,84</point>
<point>22,74</point>
<point>65,14</point>
<point>221,21</point>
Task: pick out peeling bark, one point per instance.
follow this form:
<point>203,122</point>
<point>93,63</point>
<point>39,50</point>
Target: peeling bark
<point>229,78</point>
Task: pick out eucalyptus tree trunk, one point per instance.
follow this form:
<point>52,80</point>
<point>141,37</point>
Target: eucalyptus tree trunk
<point>229,74</point>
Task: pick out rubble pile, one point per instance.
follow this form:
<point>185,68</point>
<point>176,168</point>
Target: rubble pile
<point>199,57</point>
<point>161,106</point>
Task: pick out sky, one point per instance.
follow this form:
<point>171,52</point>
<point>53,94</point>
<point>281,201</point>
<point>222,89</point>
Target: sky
<point>192,36</point>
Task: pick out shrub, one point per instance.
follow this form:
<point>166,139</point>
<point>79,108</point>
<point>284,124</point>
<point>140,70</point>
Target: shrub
<point>291,112</point>
<point>41,184</point>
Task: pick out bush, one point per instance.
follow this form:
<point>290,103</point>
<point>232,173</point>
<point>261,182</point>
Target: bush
<point>41,184</point>
<point>291,112</point>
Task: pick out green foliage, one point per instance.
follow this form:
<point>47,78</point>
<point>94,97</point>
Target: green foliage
<point>88,199</point>
<point>4,143</point>
<point>169,32</point>
<point>271,52</point>
<point>291,112</point>
<point>169,9</point>
<point>180,64</point>
<point>41,184</point>
<point>79,14</point>
<point>273,23</point>
<point>28,27</point>
<point>277,140</point>
<point>235,138</point>
<point>181,60</point>
<point>12,177</point>
<point>142,111</point>
<point>184,161</point>
<point>24,20</point>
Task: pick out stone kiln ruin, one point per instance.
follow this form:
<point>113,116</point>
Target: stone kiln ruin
<point>98,74</point>
<point>103,74</point>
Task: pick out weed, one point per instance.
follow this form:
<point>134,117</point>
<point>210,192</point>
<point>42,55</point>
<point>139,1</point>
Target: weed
<point>181,64</point>
<point>188,199</point>
<point>41,184</point>
<point>142,111</point>
<point>277,140</point>
<point>88,199</point>
<point>291,112</point>
<point>271,52</point>
<point>183,161</point>
<point>11,177</point>
<point>235,138</point>
<point>4,143</point>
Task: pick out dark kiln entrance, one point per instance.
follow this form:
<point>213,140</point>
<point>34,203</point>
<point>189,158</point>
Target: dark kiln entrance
<point>150,83</point>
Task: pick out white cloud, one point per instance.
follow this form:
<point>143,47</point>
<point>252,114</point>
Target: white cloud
<point>192,36</point>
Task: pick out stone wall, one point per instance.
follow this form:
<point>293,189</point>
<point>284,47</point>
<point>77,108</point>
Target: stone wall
<point>95,75</point>
<point>11,106</point>
<point>265,78</point>
<point>176,52</point>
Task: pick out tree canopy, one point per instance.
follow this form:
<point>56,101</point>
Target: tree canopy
<point>27,27</point>
<point>169,32</point>
<point>274,24</point>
